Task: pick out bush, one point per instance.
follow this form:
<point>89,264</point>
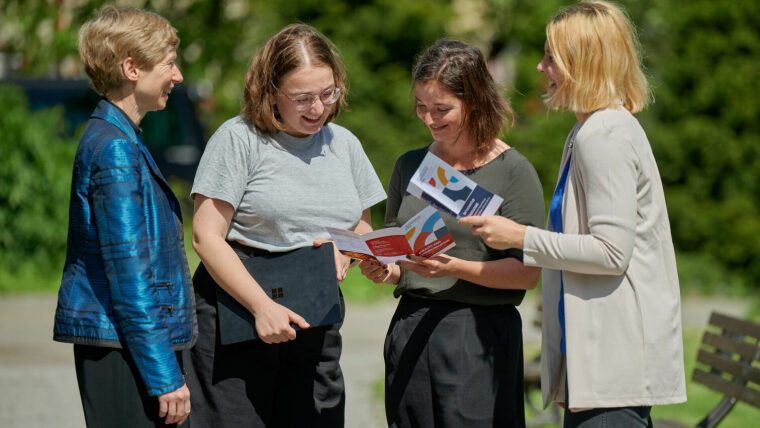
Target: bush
<point>35,179</point>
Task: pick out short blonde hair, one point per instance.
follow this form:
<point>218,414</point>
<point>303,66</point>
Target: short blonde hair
<point>294,46</point>
<point>115,34</point>
<point>595,48</point>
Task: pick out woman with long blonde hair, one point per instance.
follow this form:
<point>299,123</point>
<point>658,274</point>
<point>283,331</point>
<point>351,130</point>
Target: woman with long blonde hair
<point>611,344</point>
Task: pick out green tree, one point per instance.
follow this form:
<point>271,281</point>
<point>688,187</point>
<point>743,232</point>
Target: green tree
<point>705,58</point>
<point>35,177</point>
<point>702,58</point>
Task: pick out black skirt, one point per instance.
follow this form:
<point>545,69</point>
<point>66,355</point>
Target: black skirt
<point>112,391</point>
<point>450,364</point>
<point>297,383</point>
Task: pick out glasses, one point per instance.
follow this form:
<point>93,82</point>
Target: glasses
<point>304,102</point>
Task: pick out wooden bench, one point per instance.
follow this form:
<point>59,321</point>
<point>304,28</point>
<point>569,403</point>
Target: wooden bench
<point>731,360</point>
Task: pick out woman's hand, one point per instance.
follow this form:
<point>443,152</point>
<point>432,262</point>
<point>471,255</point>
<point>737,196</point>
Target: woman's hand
<point>496,231</point>
<point>342,262</point>
<point>273,322</point>
<point>174,406</point>
<point>435,267</point>
<point>380,273</point>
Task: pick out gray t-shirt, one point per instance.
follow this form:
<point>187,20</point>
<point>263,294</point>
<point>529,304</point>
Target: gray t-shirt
<point>286,190</point>
<point>511,176</point>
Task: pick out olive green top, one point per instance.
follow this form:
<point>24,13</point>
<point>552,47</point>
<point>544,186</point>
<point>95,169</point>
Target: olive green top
<point>511,176</point>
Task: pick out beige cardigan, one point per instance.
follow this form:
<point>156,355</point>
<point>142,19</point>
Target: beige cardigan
<point>622,303</point>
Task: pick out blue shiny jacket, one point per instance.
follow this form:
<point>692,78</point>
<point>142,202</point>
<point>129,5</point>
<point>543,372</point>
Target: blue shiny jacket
<point>126,282</point>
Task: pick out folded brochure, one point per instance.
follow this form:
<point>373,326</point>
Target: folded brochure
<point>424,235</point>
<point>442,186</point>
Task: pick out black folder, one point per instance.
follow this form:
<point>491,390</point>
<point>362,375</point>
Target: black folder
<point>302,280</point>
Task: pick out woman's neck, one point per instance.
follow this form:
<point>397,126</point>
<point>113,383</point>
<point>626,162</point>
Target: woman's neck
<point>582,116</point>
<point>126,101</point>
<point>462,155</point>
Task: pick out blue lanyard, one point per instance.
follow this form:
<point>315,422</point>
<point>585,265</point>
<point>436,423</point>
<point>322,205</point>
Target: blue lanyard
<point>555,215</point>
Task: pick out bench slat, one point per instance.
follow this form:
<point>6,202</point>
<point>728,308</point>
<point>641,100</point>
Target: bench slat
<point>735,325</point>
<point>725,364</point>
<point>731,345</point>
<point>727,387</point>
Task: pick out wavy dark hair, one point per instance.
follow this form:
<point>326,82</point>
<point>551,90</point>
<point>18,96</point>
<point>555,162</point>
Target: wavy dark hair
<point>462,69</point>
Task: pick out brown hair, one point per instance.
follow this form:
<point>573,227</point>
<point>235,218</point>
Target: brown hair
<point>296,45</point>
<point>462,69</point>
<point>595,48</point>
<point>115,34</point>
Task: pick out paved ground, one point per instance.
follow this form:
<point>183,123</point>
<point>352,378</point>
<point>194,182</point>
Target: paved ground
<point>38,385</point>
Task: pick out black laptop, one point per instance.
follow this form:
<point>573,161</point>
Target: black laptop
<point>302,280</point>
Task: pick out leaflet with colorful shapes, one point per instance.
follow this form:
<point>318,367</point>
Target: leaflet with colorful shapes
<point>424,235</point>
<point>442,186</point>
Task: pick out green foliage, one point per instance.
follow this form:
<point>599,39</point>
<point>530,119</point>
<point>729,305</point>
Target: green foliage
<point>702,58</point>
<point>357,288</point>
<point>35,179</point>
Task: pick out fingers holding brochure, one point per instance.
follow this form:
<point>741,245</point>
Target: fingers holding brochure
<point>497,232</point>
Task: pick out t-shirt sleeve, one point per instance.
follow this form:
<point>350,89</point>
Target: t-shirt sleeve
<point>367,183</point>
<point>223,169</point>
<point>524,201</point>
<point>395,193</point>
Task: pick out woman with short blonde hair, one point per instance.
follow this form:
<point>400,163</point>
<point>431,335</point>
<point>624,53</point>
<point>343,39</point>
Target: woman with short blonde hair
<point>126,295</point>
<point>103,42</point>
<point>611,344</point>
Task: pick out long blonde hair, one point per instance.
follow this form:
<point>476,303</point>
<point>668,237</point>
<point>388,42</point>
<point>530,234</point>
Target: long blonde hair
<point>595,48</point>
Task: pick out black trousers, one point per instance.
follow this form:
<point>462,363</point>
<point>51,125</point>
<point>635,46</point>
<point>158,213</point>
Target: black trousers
<point>112,392</point>
<point>253,384</point>
<point>449,364</point>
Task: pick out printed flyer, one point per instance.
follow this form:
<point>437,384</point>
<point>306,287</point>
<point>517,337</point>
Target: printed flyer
<point>424,235</point>
<point>442,186</point>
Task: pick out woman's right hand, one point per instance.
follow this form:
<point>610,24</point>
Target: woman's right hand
<point>380,273</point>
<point>273,322</point>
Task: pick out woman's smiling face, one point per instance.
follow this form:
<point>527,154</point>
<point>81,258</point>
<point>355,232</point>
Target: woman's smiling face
<point>307,80</point>
<point>440,110</point>
<point>549,68</point>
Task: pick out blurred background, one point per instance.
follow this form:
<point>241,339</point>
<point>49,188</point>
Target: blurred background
<point>702,58</point>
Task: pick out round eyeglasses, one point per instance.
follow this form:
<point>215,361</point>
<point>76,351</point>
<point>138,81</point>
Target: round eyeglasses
<point>304,102</point>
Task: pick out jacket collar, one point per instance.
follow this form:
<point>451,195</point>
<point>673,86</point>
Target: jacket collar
<point>110,113</point>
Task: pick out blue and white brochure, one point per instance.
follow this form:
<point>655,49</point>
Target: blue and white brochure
<point>442,186</point>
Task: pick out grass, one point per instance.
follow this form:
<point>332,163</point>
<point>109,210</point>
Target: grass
<point>700,398</point>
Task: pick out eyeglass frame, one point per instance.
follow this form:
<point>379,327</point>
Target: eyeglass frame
<point>313,98</point>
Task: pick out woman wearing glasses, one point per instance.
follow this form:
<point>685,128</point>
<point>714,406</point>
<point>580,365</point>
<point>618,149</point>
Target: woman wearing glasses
<point>270,180</point>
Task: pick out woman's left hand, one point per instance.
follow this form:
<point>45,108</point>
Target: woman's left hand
<point>434,267</point>
<point>342,263</point>
<point>497,232</point>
